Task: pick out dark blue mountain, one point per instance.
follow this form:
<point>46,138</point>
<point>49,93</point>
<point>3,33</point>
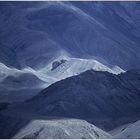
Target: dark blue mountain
<point>44,42</point>
<point>102,98</point>
<point>36,32</point>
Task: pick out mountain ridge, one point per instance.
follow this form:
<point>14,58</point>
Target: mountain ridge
<point>102,99</point>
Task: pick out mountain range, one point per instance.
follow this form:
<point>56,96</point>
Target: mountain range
<point>69,69</point>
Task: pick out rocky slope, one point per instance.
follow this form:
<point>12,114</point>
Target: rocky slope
<point>62,129</point>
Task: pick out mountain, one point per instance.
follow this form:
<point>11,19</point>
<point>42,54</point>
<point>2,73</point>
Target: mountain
<point>15,124</point>
<point>20,85</point>
<point>73,66</point>
<point>36,32</point>
<point>105,99</point>
<point>101,98</point>
<point>128,131</point>
<point>67,67</point>
<point>62,129</point>
<point>20,88</point>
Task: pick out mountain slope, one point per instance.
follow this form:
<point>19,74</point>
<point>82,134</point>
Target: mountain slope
<point>20,124</point>
<point>20,88</point>
<point>129,131</point>
<point>17,85</point>
<point>102,98</point>
<point>8,56</point>
<point>42,30</point>
<point>63,128</point>
<point>75,66</point>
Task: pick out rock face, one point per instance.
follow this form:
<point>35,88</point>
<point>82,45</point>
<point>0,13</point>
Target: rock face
<point>32,35</point>
<point>105,99</point>
<point>55,64</point>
